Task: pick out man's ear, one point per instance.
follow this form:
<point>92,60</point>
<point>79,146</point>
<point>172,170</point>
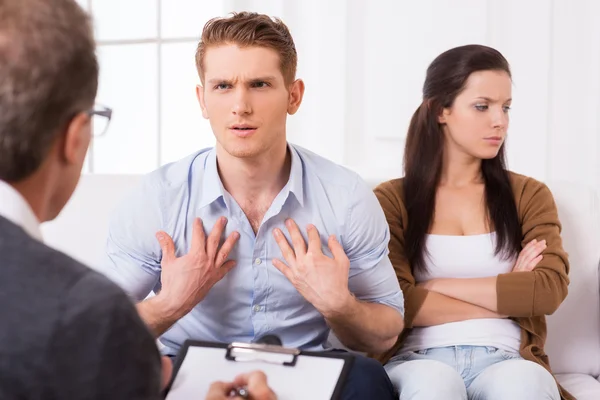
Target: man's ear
<point>76,139</point>
<point>296,91</point>
<point>200,97</point>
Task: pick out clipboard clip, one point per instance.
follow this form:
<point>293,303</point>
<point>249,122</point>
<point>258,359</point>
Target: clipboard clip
<point>262,352</point>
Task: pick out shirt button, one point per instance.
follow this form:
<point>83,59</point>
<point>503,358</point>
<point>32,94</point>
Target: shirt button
<point>257,261</point>
<point>256,308</point>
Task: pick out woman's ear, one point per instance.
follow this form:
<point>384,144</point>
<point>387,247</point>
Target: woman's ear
<point>443,115</point>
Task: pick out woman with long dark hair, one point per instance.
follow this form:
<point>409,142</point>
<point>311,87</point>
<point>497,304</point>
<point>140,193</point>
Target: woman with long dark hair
<point>476,248</point>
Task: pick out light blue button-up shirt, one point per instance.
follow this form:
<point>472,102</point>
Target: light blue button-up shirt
<point>253,299</point>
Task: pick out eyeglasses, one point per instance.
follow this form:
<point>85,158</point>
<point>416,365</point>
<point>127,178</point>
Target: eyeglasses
<point>101,116</point>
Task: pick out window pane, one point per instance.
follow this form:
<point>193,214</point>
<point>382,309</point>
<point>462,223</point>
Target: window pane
<point>125,19</point>
<point>183,128</point>
<point>128,84</point>
<point>186,18</point>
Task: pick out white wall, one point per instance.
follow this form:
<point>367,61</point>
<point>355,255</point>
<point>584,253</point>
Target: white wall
<point>363,63</point>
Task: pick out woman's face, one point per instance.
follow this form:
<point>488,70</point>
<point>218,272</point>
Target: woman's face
<point>477,122</point>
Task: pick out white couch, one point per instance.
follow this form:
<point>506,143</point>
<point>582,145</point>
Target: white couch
<point>573,343</point>
<point>573,331</point>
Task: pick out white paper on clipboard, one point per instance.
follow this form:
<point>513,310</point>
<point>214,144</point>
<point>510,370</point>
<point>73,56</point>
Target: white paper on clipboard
<point>311,377</point>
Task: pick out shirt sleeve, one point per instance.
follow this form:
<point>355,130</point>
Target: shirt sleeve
<point>372,276</point>
<point>100,348</point>
<point>133,254</point>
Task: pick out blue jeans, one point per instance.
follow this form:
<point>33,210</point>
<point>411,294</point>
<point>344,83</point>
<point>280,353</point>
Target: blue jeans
<point>367,380</point>
<point>469,372</point>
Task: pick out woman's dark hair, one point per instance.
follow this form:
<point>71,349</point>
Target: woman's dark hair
<point>423,154</point>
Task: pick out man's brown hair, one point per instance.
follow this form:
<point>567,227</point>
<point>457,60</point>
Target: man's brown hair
<point>247,29</point>
<point>48,74</point>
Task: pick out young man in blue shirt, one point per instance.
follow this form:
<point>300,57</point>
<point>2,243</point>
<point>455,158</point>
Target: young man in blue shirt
<point>258,236</point>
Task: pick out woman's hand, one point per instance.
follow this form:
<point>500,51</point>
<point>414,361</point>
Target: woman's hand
<point>530,256</point>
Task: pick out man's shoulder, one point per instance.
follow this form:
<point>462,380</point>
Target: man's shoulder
<point>159,189</point>
<point>175,174</point>
<point>21,249</point>
<point>56,310</point>
<point>334,175</point>
<point>94,295</point>
<point>45,285</point>
<point>31,263</point>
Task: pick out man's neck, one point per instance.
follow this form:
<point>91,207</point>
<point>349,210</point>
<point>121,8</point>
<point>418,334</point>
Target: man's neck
<point>255,179</point>
<point>34,190</point>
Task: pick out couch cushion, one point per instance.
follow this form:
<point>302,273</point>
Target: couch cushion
<point>573,343</point>
<point>583,387</point>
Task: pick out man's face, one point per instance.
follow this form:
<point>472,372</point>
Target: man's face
<point>69,154</point>
<point>246,99</point>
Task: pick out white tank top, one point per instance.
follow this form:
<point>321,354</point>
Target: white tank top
<point>464,257</point>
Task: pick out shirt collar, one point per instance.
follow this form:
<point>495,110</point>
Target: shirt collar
<point>15,208</point>
<point>295,183</point>
<point>212,187</point>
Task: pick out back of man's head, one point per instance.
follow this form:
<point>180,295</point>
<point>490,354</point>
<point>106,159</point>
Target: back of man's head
<point>48,74</point>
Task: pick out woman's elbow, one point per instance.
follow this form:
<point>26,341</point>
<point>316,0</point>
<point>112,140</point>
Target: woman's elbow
<point>553,301</point>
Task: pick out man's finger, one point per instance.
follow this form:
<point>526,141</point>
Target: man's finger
<point>284,246</point>
<point>198,236</point>
<point>283,268</point>
<point>214,238</point>
<point>257,385</point>
<point>297,239</point>
<point>254,376</point>
<point>314,240</point>
<point>225,268</point>
<point>219,390</point>
<point>336,249</point>
<point>166,246</point>
<point>226,249</point>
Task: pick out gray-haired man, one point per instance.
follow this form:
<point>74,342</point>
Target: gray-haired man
<point>66,332</point>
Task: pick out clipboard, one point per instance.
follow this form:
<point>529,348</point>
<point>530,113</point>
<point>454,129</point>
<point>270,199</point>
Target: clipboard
<point>293,374</point>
